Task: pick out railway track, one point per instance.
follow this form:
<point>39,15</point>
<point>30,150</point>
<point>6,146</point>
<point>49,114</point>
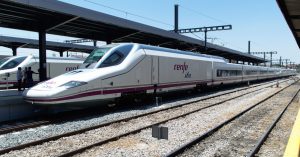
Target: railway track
<point>49,119</point>
<point>190,148</point>
<point>71,115</point>
<point>265,135</point>
<point>117,123</point>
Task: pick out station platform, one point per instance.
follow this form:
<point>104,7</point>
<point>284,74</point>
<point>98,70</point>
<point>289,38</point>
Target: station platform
<point>293,145</point>
<point>13,107</point>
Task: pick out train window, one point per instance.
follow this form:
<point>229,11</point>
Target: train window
<point>263,72</point>
<point>114,59</point>
<point>124,50</point>
<point>251,72</point>
<point>13,63</point>
<point>96,55</point>
<point>219,73</point>
<point>117,56</point>
<point>225,73</point>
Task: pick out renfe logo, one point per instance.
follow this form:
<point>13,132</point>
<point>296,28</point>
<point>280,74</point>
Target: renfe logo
<point>183,67</point>
<point>72,68</point>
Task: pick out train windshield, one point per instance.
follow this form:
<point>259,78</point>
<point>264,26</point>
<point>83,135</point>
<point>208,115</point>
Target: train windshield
<point>12,63</point>
<point>117,56</point>
<point>2,61</point>
<point>94,57</point>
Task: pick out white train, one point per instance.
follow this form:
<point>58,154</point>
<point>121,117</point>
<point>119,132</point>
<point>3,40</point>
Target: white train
<point>116,70</point>
<point>55,66</point>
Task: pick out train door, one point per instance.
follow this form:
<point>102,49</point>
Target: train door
<point>155,69</point>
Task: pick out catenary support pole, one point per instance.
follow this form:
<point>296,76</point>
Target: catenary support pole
<point>265,58</point>
<point>176,19</point>
<point>205,42</point>
<point>271,59</point>
<point>249,47</point>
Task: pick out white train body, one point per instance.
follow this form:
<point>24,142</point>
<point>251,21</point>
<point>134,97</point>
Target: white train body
<point>121,69</point>
<point>55,66</point>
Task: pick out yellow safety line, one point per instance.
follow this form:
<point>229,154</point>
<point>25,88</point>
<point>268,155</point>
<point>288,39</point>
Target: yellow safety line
<point>292,148</point>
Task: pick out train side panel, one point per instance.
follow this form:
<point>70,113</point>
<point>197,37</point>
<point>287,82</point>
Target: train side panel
<point>134,76</point>
<point>55,69</point>
<point>180,72</point>
<point>250,73</point>
<point>226,73</point>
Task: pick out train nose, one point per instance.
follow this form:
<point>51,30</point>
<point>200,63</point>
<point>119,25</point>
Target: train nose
<point>38,93</point>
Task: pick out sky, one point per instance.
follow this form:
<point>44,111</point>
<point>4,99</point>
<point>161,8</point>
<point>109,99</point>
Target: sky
<point>258,21</point>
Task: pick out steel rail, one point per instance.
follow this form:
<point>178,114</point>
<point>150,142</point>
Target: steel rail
<point>38,142</point>
<point>82,149</point>
<point>27,125</point>
<point>213,130</point>
<point>46,120</point>
<point>264,137</point>
<point>22,126</point>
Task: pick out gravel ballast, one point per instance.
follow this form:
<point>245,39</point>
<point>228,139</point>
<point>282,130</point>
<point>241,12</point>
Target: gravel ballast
<point>239,137</point>
<point>28,135</point>
<point>277,140</point>
<point>180,131</point>
<point>209,117</point>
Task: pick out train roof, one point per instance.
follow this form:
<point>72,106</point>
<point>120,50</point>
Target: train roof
<point>61,58</point>
<point>150,47</point>
<point>51,58</point>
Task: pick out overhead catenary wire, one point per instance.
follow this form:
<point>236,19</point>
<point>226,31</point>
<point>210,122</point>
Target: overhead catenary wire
<point>221,43</point>
<point>197,36</point>
<point>157,21</point>
<point>129,13</point>
<point>260,45</point>
<point>215,19</point>
<point>204,15</point>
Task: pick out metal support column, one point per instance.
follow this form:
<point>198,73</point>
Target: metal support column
<point>205,30</point>
<point>286,63</point>
<point>265,58</point>
<point>42,55</point>
<point>61,53</point>
<point>271,59</point>
<point>264,53</point>
<point>176,19</point>
<point>14,50</point>
<point>95,43</point>
<point>280,61</point>
<point>249,47</point>
<point>205,42</point>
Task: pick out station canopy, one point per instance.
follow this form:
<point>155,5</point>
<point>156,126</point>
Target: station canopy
<point>291,12</point>
<point>61,18</point>
<point>13,42</point>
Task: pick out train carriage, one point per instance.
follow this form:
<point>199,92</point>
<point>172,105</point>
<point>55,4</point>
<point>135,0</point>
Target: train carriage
<point>251,73</point>
<point>55,66</point>
<point>226,73</point>
<point>118,70</point>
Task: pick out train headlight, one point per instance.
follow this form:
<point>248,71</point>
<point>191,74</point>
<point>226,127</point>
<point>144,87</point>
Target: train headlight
<point>73,84</point>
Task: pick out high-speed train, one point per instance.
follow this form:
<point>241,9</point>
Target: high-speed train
<point>55,66</point>
<point>117,70</point>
